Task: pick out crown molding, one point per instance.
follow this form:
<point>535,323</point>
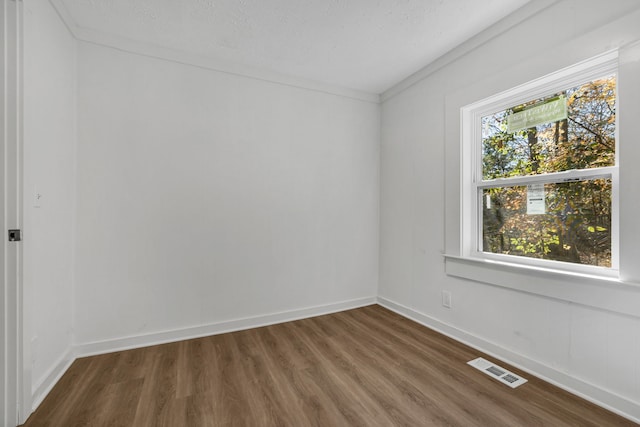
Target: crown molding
<point>517,17</point>
<point>65,16</point>
<point>201,61</point>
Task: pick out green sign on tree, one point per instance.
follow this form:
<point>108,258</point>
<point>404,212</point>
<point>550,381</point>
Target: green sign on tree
<point>548,112</point>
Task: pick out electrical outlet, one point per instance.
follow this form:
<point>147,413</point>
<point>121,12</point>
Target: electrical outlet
<point>446,299</point>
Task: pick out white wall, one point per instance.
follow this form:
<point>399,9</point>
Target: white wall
<point>591,346</point>
<point>205,197</point>
<point>49,159</point>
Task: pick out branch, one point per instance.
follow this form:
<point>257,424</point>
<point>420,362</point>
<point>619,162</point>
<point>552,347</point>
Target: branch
<point>599,137</point>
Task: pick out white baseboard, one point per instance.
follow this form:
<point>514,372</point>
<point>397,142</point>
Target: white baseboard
<point>127,343</point>
<point>590,392</point>
<point>585,390</point>
<point>46,383</point>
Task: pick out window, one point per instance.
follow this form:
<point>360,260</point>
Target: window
<point>540,173</point>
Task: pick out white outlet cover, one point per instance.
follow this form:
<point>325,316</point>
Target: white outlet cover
<point>446,299</point>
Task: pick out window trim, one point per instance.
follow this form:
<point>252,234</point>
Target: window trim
<point>471,165</point>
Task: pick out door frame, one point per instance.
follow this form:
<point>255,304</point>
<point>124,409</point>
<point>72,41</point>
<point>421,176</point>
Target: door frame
<point>11,127</point>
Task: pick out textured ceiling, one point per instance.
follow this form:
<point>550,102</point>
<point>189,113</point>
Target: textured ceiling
<point>367,45</point>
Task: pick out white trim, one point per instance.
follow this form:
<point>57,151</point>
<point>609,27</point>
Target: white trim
<point>42,388</point>
<point>471,179</point>
<point>13,377</point>
<point>601,397</point>
<point>585,390</point>
<point>8,327</point>
<point>525,13</point>
<point>137,341</point>
<point>562,268</point>
<point>579,73</point>
<point>49,380</point>
<point>64,15</point>
<point>604,293</point>
<point>551,177</point>
<point>209,63</point>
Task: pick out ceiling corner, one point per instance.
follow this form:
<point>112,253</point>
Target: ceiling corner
<point>65,16</point>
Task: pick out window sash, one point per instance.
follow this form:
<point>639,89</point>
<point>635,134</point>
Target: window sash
<point>547,178</point>
<point>471,165</point>
<point>609,172</point>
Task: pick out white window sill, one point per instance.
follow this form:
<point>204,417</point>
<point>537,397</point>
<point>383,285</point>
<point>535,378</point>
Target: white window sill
<point>604,293</point>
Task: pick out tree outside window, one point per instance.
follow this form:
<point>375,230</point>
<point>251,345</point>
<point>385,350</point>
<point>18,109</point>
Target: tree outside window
<point>546,189</point>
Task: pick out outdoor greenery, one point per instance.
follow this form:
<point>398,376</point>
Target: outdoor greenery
<point>576,225</point>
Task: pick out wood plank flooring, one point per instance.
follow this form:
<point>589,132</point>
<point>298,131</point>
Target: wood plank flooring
<point>363,367</point>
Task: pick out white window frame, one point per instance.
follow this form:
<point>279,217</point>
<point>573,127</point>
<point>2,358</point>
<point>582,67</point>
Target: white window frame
<point>471,165</point>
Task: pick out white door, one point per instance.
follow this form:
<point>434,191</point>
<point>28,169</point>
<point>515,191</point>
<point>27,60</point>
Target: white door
<point>10,215</point>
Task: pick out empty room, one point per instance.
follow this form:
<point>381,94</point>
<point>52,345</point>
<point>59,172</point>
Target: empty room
<point>320,213</point>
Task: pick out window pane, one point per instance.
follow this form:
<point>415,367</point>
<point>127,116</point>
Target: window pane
<point>568,222</point>
<point>582,138</point>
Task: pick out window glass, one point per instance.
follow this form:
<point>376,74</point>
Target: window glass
<point>581,138</point>
<point>569,221</point>
<point>537,210</point>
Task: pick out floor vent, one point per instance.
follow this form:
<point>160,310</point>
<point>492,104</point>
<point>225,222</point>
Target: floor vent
<point>495,371</point>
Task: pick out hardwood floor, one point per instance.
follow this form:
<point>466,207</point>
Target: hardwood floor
<point>363,367</point>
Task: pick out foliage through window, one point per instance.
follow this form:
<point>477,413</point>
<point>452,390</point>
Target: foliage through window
<point>546,176</point>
